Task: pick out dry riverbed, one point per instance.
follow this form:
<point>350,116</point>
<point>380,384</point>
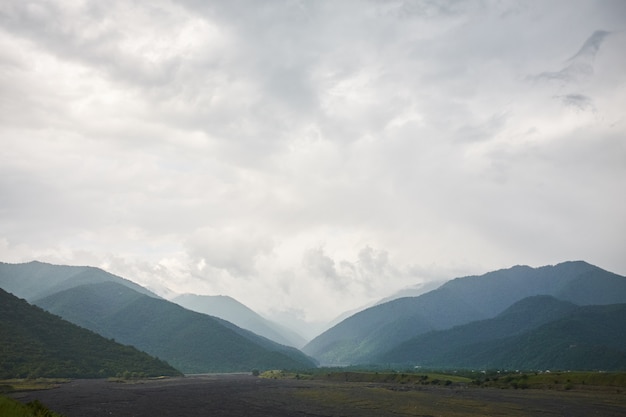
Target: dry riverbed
<point>246,395</point>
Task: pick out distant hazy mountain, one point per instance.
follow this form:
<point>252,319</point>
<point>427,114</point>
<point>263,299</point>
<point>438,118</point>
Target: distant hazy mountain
<point>35,279</point>
<point>367,334</point>
<point>191,341</point>
<point>536,333</point>
<point>231,310</point>
<point>35,343</point>
<point>413,291</point>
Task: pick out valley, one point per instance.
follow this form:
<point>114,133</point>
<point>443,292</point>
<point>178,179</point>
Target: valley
<point>83,322</point>
<point>246,395</point>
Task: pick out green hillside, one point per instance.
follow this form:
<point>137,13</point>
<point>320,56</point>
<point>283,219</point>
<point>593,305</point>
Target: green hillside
<point>439,348</point>
<point>193,342</point>
<point>367,334</point>
<point>35,343</point>
<point>536,333</point>
<point>592,338</point>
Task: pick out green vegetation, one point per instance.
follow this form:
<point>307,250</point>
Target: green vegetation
<point>550,380</point>
<point>35,343</point>
<point>408,378</point>
<point>538,332</point>
<point>486,379</point>
<point>12,408</point>
<point>392,377</point>
<point>192,342</point>
<point>26,384</point>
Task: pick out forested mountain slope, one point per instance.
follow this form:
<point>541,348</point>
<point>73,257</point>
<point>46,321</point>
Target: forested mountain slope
<point>35,343</point>
<point>442,347</point>
<point>582,338</point>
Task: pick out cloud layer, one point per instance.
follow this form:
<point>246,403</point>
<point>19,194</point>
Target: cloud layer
<point>310,157</point>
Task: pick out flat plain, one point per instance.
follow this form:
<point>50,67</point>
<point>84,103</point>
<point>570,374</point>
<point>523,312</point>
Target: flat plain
<point>246,395</point>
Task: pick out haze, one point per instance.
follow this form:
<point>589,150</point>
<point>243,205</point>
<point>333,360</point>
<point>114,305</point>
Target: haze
<point>311,157</point>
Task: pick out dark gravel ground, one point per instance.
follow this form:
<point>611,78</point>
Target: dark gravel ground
<point>245,395</point>
<point>209,395</point>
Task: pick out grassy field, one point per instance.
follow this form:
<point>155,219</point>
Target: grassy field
<point>554,380</point>
<point>493,379</point>
<point>24,384</point>
<point>431,378</point>
<point>461,393</point>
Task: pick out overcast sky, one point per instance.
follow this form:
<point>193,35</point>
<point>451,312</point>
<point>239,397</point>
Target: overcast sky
<point>309,157</point>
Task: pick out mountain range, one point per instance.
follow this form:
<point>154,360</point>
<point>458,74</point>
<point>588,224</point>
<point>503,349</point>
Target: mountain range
<point>366,336</point>
<point>119,309</point>
<point>567,316</point>
<point>190,341</point>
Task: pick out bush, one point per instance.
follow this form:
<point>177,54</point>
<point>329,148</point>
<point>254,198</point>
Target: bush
<point>12,408</point>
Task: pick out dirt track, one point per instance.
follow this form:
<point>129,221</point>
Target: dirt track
<point>245,395</point>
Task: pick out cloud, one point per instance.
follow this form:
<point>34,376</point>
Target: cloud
<point>580,66</point>
<point>311,156</point>
<point>578,101</point>
<point>233,251</point>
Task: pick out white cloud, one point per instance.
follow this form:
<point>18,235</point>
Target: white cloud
<point>311,157</point>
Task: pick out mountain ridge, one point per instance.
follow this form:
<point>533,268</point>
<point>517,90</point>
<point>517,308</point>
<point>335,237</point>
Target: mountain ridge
<point>191,341</point>
<point>35,279</point>
<point>459,301</point>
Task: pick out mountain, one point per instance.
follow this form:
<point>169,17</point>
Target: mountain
<point>35,343</point>
<point>443,348</point>
<point>579,338</point>
<point>363,336</point>
<point>35,279</point>
<point>231,310</point>
<point>592,338</point>
<point>191,341</point>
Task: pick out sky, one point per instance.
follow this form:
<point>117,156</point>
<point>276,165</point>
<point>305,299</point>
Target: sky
<point>311,157</point>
